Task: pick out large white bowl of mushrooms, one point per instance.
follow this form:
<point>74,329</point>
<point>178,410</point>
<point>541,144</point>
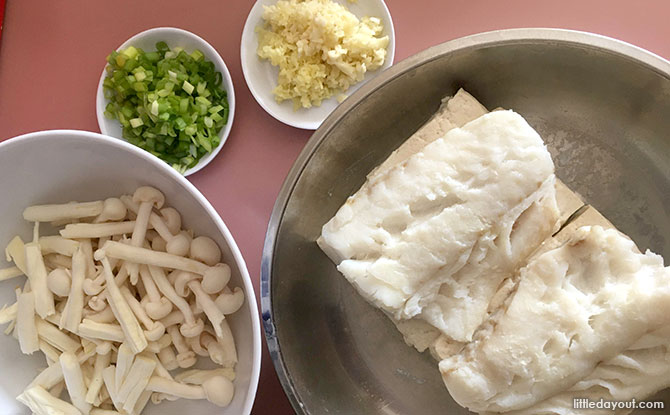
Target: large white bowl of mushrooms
<point>122,289</point>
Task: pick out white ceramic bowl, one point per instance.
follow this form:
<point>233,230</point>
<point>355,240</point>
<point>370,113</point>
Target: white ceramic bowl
<point>174,38</point>
<point>261,76</point>
<point>64,165</point>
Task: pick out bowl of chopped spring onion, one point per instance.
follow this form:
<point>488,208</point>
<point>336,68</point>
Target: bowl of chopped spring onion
<point>169,92</point>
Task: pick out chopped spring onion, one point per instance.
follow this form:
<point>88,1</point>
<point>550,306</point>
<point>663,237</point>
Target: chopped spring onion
<point>168,102</point>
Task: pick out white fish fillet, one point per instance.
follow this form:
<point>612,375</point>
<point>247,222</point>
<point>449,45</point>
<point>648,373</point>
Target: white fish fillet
<point>443,215</point>
<point>637,373</point>
<point>587,301</point>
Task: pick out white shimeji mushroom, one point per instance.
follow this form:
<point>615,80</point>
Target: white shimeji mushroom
<point>97,230</point>
<point>185,356</point>
<point>57,245</point>
<point>217,389</point>
<point>9,273</point>
<point>52,335</point>
<point>205,250</point>
<point>15,252</point>
<point>124,361</point>
<point>94,386</point>
<point>101,331</point>
<point>57,261</point>
<point>157,306</point>
<point>74,381</point>
<point>212,312</point>
<point>41,402</point>
<point>113,210</point>
<point>104,316</point>
<point>167,225</point>
<point>230,301</point>
<point>72,314</point>
<point>58,282</point>
<point>213,276</point>
<point>191,326</point>
<point>135,382</point>
<point>168,358</point>
<point>172,219</point>
<point>154,329</point>
<point>66,211</point>
<point>131,327</point>
<point>8,313</point>
<point>148,197</point>
<point>37,274</point>
<point>114,318</point>
<point>25,323</point>
<point>199,376</point>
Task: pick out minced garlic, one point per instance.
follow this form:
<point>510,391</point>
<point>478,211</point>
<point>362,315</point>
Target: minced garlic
<point>320,47</point>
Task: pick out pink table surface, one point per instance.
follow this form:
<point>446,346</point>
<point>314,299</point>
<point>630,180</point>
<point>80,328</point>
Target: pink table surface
<point>52,53</point>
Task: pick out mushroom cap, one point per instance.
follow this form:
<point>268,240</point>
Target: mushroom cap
<point>158,244</point>
<point>230,302</point>
<point>113,209</point>
<point>158,310</point>
<point>96,303</point>
<point>59,282</point>
<point>181,282</point>
<point>145,194</point>
<point>156,332</point>
<point>193,329</point>
<point>172,219</point>
<point>205,250</point>
<point>186,359</point>
<point>92,287</point>
<point>179,244</point>
<point>219,390</point>
<point>216,278</point>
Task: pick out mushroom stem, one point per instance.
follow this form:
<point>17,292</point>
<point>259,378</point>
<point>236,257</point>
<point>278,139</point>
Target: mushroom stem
<point>25,323</point>
<point>113,210</point>
<point>157,307</point>
<point>37,274</point>
<point>212,312</point>
<point>9,273</point>
<point>55,337</point>
<point>72,314</point>
<point>101,362</point>
<point>147,256</point>
<point>103,331</point>
<point>104,316</point>
<point>66,211</point>
<point>192,326</point>
<point>168,358</point>
<point>131,327</point>
<point>154,330</point>
<point>57,245</point>
<point>217,389</point>
<point>74,381</point>
<point>199,376</point>
<point>135,382</point>
<point>87,247</point>
<point>36,397</point>
<point>196,346</point>
<point>96,230</point>
<point>185,356</point>
<point>147,197</point>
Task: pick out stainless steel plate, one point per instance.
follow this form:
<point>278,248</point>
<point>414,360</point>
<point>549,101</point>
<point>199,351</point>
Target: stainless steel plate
<point>602,106</point>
